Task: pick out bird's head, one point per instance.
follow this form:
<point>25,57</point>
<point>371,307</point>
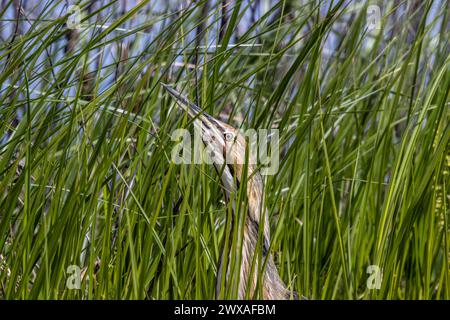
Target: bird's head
<point>225,144</point>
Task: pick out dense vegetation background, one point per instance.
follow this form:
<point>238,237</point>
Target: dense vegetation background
<point>87,185</point>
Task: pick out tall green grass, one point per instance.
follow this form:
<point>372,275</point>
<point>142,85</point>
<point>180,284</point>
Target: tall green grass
<point>86,176</point>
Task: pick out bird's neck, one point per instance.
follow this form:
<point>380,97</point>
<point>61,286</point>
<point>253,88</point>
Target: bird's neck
<point>256,240</point>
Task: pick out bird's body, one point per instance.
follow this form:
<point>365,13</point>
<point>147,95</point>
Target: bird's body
<point>228,150</point>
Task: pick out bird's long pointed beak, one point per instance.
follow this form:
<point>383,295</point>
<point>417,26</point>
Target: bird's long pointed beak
<point>200,117</point>
<point>183,102</point>
<point>212,133</point>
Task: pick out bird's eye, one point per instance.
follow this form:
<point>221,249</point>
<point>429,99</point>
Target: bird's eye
<point>229,136</point>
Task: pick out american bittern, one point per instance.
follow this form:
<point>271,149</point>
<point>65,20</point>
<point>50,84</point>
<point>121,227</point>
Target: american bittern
<point>229,148</point>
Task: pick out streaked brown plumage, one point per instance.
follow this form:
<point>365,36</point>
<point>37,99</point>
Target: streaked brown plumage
<point>226,143</point>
